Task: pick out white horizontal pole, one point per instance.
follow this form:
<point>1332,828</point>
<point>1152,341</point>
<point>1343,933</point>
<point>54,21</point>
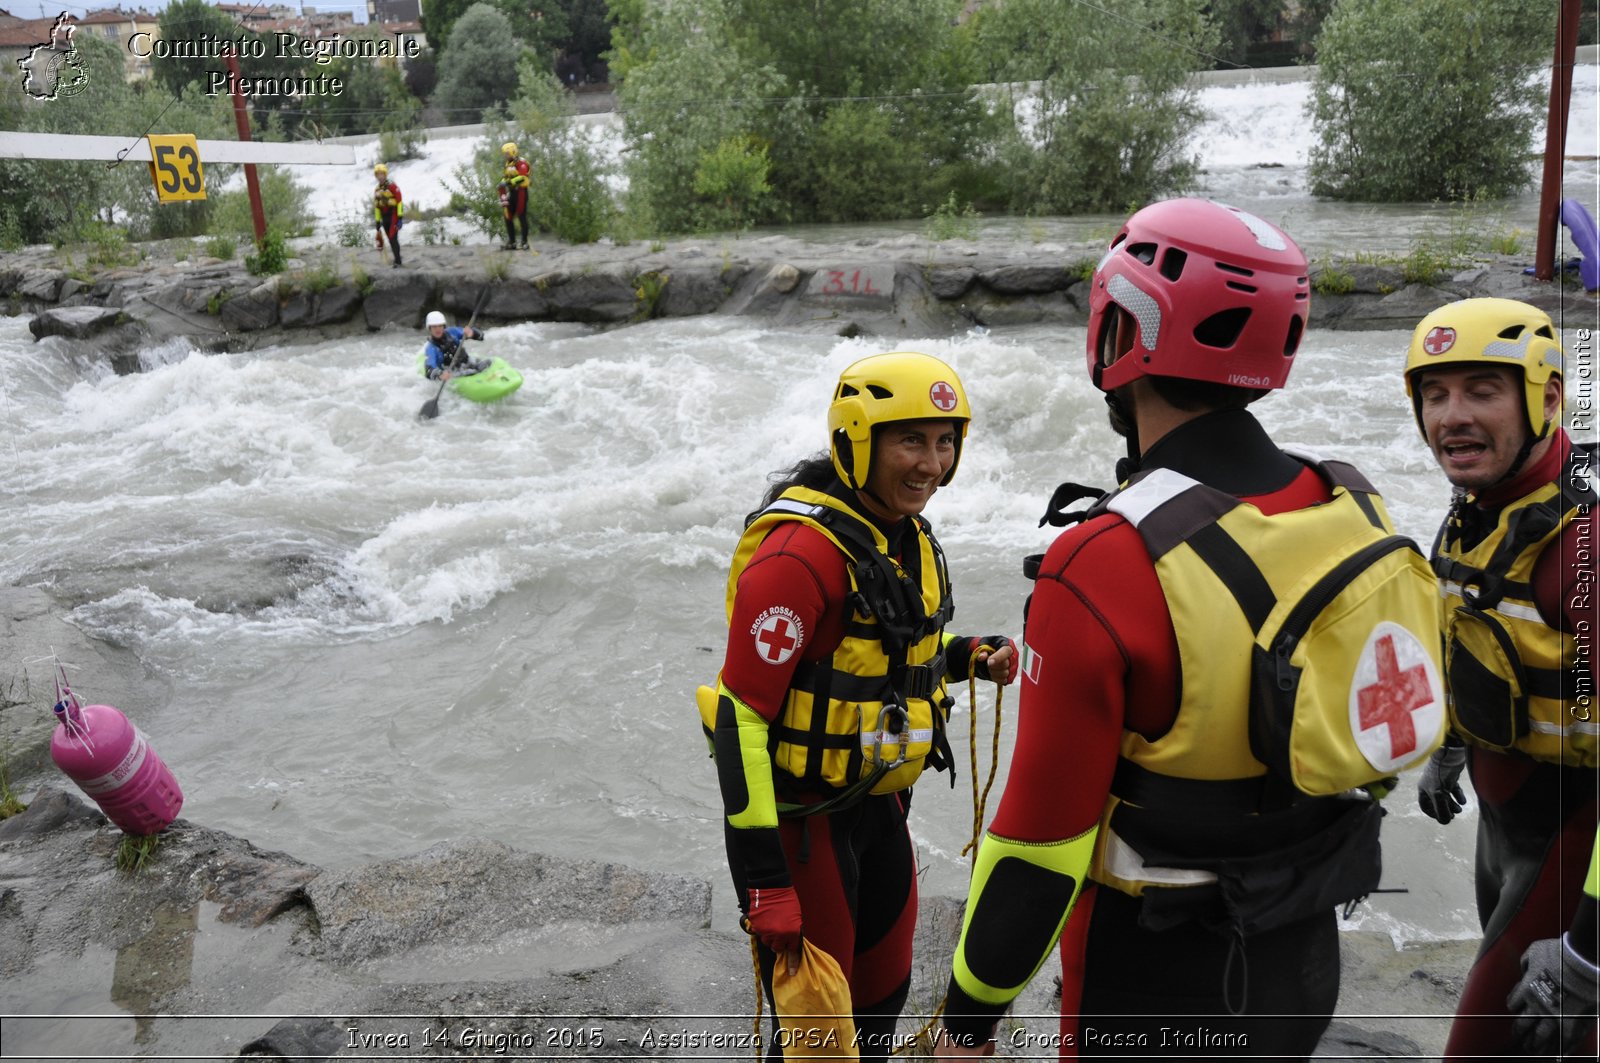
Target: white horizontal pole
<point>67,146</point>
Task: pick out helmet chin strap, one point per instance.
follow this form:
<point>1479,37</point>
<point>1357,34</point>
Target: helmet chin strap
<point>1124,424</point>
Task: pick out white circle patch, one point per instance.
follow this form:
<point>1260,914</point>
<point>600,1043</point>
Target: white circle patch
<point>778,634</point>
<point>1396,698</point>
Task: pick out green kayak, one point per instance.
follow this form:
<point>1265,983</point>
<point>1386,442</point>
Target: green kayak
<point>490,384</point>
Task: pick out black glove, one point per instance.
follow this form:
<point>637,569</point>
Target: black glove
<point>478,334</point>
<point>1439,792</point>
<point>996,643</point>
<point>1554,1004</point>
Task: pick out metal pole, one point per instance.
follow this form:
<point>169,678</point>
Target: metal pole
<point>1555,141</point>
<point>242,120</point>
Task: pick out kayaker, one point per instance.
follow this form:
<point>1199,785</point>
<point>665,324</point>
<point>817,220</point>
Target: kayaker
<point>444,344</point>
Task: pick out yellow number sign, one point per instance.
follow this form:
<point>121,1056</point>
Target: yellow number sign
<point>175,168</point>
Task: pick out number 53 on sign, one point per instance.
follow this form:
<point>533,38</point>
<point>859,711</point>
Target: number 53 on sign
<point>175,167</point>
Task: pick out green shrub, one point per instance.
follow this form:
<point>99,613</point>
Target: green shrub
<point>732,180</point>
<point>1331,279</point>
<point>285,202</point>
<point>272,254</point>
<point>952,220</point>
<point>1427,100</point>
<point>223,247</point>
<point>352,229</point>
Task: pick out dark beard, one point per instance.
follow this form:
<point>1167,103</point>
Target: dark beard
<point>1119,411</point>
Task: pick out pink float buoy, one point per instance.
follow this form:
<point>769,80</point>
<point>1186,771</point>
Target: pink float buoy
<point>112,761</point>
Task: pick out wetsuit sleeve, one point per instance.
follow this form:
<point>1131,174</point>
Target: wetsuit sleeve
<point>1035,856</point>
<point>399,203</point>
<point>779,619</point>
<point>1586,920</point>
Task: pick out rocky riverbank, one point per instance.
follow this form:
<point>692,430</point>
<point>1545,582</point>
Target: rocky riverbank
<point>891,285</point>
<point>470,949</point>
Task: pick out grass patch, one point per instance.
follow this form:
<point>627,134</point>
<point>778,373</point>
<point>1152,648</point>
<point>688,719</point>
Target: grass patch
<point>1331,279</point>
<point>223,247</point>
<point>135,851</point>
<point>953,220</point>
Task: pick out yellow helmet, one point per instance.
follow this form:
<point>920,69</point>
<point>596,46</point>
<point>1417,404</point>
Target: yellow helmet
<point>380,170</point>
<point>1490,332</point>
<point>508,149</point>
<point>901,386</point>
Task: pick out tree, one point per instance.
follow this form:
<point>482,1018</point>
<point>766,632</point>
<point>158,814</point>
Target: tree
<point>1112,117</point>
<point>190,20</point>
<point>1432,99</point>
<point>859,110</point>
<point>473,66</point>
<point>1241,23</point>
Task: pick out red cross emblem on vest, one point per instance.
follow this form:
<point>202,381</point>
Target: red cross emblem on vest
<point>778,635</point>
<point>1396,700</point>
<point>1439,339</point>
<point>943,396</point>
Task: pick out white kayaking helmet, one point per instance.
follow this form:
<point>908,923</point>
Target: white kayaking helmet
<point>434,318</point>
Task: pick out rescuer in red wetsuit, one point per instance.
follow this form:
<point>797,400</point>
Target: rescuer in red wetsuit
<point>1132,780</point>
<point>1515,560</point>
<point>832,696</point>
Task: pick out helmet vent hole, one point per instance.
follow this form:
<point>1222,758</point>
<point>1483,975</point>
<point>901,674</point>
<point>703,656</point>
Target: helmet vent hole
<point>1236,286</point>
<point>846,390</point>
<point>1145,253</point>
<point>1511,332</point>
<point>1222,329</point>
<point>1292,343</point>
<point>1546,331</point>
<point>880,392</point>
<point>1172,263</point>
<point>1240,270</point>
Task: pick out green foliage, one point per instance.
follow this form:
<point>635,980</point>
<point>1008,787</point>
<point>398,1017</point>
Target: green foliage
<point>272,254</point>
<point>223,247</point>
<point>361,278</point>
<point>192,20</point>
<point>953,220</point>
<point>1113,114</point>
<point>473,64</point>
<point>134,851</point>
<point>353,229</point>
<point>1433,99</point>
<point>215,303</point>
<point>1330,278</point>
<point>496,267</point>
<point>732,178</point>
<point>862,106</point>
<point>284,201</point>
<point>648,288</point>
<point>317,278</point>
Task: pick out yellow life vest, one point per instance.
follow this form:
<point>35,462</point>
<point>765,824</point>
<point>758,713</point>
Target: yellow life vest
<point>1515,681</point>
<point>382,198</point>
<point>882,692</point>
<point>1308,645</point>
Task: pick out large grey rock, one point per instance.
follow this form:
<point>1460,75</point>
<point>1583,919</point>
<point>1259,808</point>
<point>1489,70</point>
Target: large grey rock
<point>1027,279</point>
<point>74,322</point>
<point>475,891</point>
<point>693,290</point>
<point>595,295</point>
<point>253,310</point>
<point>950,282</point>
<point>44,285</point>
<point>329,306</point>
<point>399,297</point>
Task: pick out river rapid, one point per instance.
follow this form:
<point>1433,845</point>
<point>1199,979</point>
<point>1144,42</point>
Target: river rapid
<point>384,632</point>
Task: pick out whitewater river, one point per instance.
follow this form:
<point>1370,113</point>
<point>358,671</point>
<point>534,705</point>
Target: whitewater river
<point>385,633</point>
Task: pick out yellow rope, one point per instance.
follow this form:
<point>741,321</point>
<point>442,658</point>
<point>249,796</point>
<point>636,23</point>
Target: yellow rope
<point>926,1031</point>
<point>979,804</point>
<point>755,961</point>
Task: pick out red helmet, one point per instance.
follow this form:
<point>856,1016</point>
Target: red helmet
<point>1197,290</point>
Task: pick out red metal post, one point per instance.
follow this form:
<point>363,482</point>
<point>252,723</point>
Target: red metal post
<point>1555,140</point>
<point>242,120</point>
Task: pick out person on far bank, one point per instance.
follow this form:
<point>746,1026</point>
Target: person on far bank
<point>514,199</point>
<point>1191,873</point>
<point>388,210</point>
<point>444,345</point>
<point>832,700</point>
<point>1515,561</point>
